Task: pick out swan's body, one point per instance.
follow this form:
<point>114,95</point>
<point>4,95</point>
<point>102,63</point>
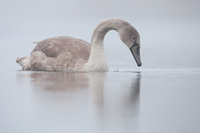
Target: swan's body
<point>70,54</point>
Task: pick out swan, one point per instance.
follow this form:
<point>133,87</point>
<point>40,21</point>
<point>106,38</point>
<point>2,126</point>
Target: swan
<point>66,53</point>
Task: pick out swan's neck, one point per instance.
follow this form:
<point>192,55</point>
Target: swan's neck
<point>97,59</point>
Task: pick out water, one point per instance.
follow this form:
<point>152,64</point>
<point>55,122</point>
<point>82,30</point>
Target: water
<point>146,100</point>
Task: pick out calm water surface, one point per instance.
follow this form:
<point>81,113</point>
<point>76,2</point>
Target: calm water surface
<point>153,101</point>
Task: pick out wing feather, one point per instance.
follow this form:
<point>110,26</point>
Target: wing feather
<point>53,47</point>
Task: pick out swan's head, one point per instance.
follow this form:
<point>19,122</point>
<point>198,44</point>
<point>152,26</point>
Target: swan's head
<point>131,38</point>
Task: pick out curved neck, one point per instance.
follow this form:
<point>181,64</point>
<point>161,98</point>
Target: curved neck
<point>105,26</point>
<point>97,60</point>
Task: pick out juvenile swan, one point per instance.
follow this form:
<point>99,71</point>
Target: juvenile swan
<point>71,54</point>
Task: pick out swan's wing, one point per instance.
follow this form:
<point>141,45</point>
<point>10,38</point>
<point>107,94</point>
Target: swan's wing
<point>53,47</point>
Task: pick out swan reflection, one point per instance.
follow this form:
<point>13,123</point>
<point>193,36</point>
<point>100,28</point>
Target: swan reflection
<point>115,102</point>
<point>110,101</point>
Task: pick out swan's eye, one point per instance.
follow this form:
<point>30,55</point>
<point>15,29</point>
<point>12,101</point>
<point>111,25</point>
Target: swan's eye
<point>133,38</point>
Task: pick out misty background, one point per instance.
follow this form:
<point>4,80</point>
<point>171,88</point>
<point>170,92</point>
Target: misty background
<point>163,96</point>
<point>169,30</point>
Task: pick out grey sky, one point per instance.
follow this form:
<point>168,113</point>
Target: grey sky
<point>88,9</point>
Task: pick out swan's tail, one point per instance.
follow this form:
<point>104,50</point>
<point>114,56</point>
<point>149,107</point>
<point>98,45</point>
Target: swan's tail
<point>35,42</point>
<point>24,62</point>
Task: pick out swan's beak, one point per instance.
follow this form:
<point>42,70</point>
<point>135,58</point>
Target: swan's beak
<point>135,50</point>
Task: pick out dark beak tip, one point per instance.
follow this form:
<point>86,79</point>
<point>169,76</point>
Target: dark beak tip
<point>139,65</point>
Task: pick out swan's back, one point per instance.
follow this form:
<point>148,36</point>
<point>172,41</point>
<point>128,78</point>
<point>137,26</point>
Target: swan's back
<point>53,47</point>
<point>59,54</point>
